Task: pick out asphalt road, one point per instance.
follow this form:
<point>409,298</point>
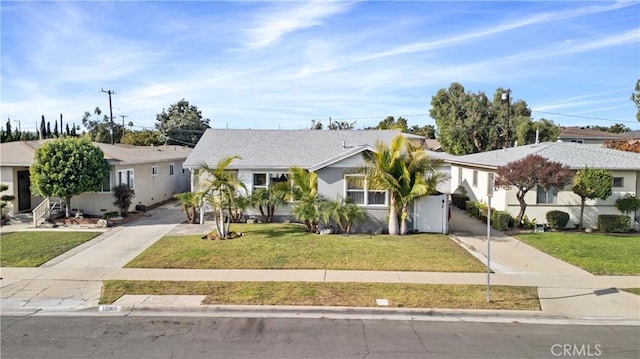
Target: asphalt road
<point>198,337</point>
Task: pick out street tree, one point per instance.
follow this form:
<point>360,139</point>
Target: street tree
<point>181,124</point>
<point>529,172</point>
<point>142,138</point>
<point>67,167</point>
<point>591,183</point>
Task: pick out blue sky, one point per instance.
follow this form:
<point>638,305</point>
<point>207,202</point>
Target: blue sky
<point>282,64</point>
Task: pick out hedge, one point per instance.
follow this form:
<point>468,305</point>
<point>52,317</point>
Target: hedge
<point>614,223</point>
<point>459,200</point>
<point>557,220</point>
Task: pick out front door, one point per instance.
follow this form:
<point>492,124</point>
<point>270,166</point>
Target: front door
<point>24,191</point>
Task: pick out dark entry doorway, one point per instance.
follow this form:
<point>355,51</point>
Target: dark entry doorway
<point>24,191</point>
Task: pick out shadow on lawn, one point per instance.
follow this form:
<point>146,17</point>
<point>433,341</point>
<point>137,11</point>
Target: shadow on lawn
<point>290,231</point>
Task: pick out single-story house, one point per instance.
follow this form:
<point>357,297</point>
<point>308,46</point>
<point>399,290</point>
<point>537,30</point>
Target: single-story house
<point>475,172</point>
<point>585,135</point>
<point>154,172</point>
<point>267,155</point>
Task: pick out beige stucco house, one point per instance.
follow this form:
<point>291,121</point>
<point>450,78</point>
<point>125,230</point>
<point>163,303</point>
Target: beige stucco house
<point>154,172</point>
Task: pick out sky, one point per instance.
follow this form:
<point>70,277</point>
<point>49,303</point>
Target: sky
<point>280,65</point>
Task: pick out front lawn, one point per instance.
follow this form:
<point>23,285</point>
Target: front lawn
<point>333,294</point>
<point>31,249</point>
<point>599,254</point>
<point>287,246</point>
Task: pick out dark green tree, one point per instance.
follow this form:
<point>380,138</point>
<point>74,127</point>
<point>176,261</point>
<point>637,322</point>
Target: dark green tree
<point>99,130</point>
<point>592,183</point>
<point>635,97</point>
<point>391,123</point>
<point>6,134</point>
<point>43,128</point>
<point>143,138</point>
<point>67,167</point>
<point>526,131</point>
<point>67,132</point>
<point>49,134</point>
<point>181,124</point>
<point>56,134</point>
<point>427,131</point>
<point>123,196</point>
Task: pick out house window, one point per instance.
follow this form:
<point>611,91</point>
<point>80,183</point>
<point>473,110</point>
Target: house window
<point>259,181</point>
<point>126,177</point>
<point>266,180</point>
<point>618,182</point>
<point>475,178</point>
<point>106,183</point>
<point>171,169</point>
<point>358,191</point>
<point>577,141</point>
<point>459,176</point>
<point>154,170</point>
<point>542,196</point>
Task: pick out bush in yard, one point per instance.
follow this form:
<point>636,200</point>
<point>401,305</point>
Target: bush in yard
<point>4,199</point>
<point>459,200</point>
<point>557,220</point>
<point>471,209</point>
<point>501,220</point>
<point>627,204</point>
<point>123,194</point>
<point>613,223</point>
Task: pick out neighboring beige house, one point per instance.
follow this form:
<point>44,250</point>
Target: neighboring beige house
<point>586,135</point>
<point>475,173</point>
<point>154,172</point>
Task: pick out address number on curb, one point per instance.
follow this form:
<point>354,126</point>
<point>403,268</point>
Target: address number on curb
<point>109,308</point>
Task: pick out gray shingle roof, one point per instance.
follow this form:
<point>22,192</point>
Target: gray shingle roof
<point>21,153</point>
<point>574,155</point>
<point>280,149</point>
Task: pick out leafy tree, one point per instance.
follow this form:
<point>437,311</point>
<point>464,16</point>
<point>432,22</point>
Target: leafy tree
<point>427,131</point>
<point>341,125</point>
<point>67,167</point>
<point>219,187</point>
<point>305,194</point>
<point>123,194</point>
<point>526,173</point>
<point>635,97</point>
<point>628,204</point>
<point>143,138</point>
<point>391,123</point>
<point>591,183</point>
<point>100,129</point>
<point>267,199</point>
<point>182,124</point>
<point>615,128</point>
<point>469,122</point>
<point>526,131</point>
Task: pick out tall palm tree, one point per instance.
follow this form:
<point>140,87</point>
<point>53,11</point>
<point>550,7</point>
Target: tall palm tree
<point>305,193</point>
<point>384,168</point>
<point>219,187</point>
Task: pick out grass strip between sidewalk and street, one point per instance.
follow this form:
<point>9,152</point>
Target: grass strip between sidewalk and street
<point>451,296</point>
<point>635,291</point>
<point>599,254</point>
<point>33,248</point>
<point>287,246</point>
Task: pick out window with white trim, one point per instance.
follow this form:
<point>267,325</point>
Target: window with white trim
<point>171,169</point>
<point>126,177</point>
<point>268,179</point>
<point>358,191</point>
<point>550,196</point>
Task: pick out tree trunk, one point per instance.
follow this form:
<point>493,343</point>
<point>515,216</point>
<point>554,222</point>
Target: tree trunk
<point>582,201</point>
<point>393,215</point>
<point>403,219</point>
<point>67,205</point>
<point>523,207</point>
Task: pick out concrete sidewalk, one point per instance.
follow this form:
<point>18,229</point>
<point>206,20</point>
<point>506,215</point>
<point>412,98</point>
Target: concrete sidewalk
<point>74,280</point>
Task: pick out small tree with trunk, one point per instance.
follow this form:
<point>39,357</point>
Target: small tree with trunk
<point>592,183</point>
<point>67,167</point>
<point>123,195</point>
<point>526,173</point>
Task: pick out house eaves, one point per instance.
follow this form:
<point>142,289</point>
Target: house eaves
<point>349,153</point>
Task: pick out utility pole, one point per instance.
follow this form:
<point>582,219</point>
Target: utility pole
<point>110,92</point>
<point>507,96</point>
<point>123,116</point>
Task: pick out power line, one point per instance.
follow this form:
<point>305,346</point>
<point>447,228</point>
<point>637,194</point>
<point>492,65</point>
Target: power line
<point>585,117</point>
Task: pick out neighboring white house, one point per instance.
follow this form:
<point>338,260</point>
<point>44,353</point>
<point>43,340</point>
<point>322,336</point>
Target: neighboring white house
<point>475,173</point>
<point>155,173</point>
<point>267,155</point>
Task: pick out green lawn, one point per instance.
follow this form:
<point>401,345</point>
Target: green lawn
<point>596,253</point>
<point>282,246</point>
<point>333,294</point>
<point>635,291</point>
<point>31,249</point>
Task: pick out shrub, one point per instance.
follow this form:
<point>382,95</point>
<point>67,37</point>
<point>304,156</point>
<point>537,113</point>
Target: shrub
<point>614,223</point>
<point>110,215</point>
<point>123,195</point>
<point>459,200</point>
<point>501,220</point>
<point>557,220</point>
<point>627,204</point>
<point>472,209</point>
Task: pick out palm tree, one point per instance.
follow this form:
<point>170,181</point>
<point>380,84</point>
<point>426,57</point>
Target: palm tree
<point>305,193</point>
<point>219,187</point>
<point>420,178</point>
<point>267,199</point>
<point>345,214</point>
<point>383,169</point>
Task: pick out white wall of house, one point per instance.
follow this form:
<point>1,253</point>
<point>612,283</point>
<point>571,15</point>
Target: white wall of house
<point>565,200</point>
<point>9,176</point>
